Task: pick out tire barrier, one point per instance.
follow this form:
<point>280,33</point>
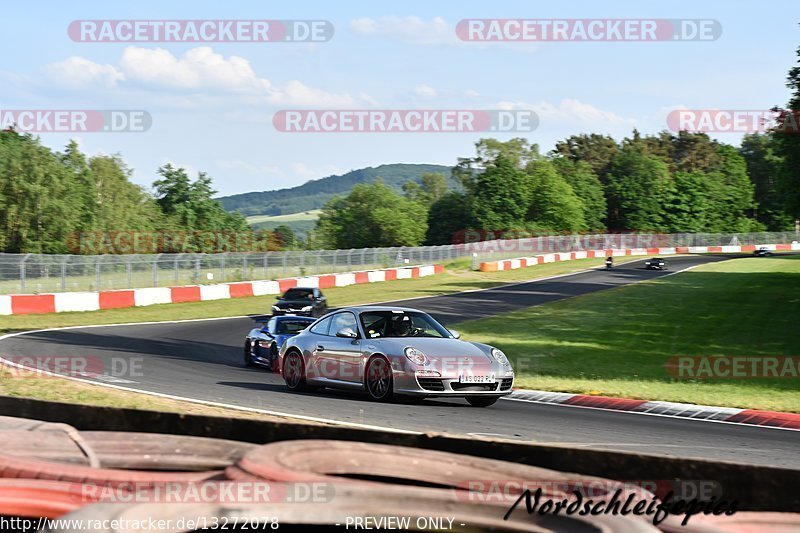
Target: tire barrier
<point>342,461</point>
<point>302,485</point>
<point>17,467</point>
<point>37,498</point>
<point>112,449</point>
<point>747,522</point>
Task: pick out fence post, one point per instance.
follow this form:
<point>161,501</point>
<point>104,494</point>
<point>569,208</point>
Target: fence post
<point>129,268</point>
<point>245,276</point>
<point>155,270</point>
<point>97,265</point>
<point>63,275</point>
<point>222,266</point>
<point>22,273</point>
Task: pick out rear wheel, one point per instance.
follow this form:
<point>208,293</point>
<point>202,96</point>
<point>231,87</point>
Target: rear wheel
<point>482,401</point>
<point>379,383</point>
<point>294,372</point>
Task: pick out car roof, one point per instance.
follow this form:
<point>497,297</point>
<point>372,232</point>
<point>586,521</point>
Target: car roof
<point>373,308</point>
<point>294,317</point>
<point>656,259</point>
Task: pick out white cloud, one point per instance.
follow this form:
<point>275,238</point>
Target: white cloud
<point>200,72</point>
<point>198,68</point>
<point>79,73</point>
<point>412,30</point>
<point>572,111</point>
<point>425,91</point>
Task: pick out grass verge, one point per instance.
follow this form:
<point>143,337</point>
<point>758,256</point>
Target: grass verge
<point>616,342</point>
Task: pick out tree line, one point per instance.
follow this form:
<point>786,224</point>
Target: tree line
<point>65,202</point>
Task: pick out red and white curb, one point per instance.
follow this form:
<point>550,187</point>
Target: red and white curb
<point>523,262</point>
<point>732,415</point>
<point>25,304</point>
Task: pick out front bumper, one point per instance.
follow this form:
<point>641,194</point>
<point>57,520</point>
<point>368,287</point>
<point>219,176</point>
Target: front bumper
<point>425,386</point>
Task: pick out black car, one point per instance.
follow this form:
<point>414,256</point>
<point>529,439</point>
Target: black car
<point>302,301</point>
<point>655,263</point>
<point>762,252</point>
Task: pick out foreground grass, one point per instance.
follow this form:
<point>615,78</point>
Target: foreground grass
<point>457,278</point>
<point>616,342</point>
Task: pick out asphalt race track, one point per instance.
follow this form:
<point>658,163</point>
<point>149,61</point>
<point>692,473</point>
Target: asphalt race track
<point>203,360</point>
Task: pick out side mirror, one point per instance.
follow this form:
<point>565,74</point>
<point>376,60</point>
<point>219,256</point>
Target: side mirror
<point>347,333</point>
<point>278,297</point>
<point>455,334</point>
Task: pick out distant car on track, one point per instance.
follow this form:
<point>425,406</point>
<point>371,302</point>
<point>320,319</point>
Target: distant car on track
<point>762,252</point>
<point>301,301</point>
<point>655,263</point>
<point>392,353</point>
<point>263,342</point>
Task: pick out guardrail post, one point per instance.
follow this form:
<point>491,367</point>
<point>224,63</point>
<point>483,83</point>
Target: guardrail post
<point>129,268</point>
<point>222,267</point>
<point>64,275</point>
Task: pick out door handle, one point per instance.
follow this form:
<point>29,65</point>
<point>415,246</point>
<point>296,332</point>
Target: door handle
<point>320,348</point>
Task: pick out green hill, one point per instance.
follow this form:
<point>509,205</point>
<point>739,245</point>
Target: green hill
<point>313,194</point>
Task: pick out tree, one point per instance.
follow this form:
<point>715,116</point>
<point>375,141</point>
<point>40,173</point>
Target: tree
<point>585,183</point>
<point>637,187</point>
<point>594,149</point>
<point>371,215</point>
<point>554,205</point>
<point>500,196</point>
<point>764,167</point>
<point>446,218</point>
<point>284,237</point>
<point>787,137</point>
<point>519,152</point>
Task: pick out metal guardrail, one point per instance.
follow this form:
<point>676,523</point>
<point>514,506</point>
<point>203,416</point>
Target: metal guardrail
<point>35,273</point>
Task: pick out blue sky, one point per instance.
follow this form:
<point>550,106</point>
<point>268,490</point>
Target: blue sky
<point>212,104</point>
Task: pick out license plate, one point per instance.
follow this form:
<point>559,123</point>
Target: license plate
<point>477,379</point>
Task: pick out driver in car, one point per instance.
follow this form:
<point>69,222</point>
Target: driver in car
<point>403,327</point>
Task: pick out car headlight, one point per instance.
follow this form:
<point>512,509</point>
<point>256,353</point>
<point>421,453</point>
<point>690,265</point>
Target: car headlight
<point>415,356</point>
<point>500,356</point>
<point>306,308</point>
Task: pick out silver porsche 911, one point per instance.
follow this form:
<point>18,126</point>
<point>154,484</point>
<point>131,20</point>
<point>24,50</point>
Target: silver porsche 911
<point>390,353</point>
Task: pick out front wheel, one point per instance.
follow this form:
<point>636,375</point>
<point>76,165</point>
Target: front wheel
<point>248,357</point>
<point>379,382</point>
<point>273,357</point>
<point>482,401</point>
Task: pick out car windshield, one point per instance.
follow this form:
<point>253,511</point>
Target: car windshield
<point>291,326</point>
<point>298,294</point>
<point>390,324</point>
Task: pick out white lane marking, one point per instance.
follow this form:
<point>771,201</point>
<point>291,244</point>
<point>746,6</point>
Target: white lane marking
<point>640,413</point>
